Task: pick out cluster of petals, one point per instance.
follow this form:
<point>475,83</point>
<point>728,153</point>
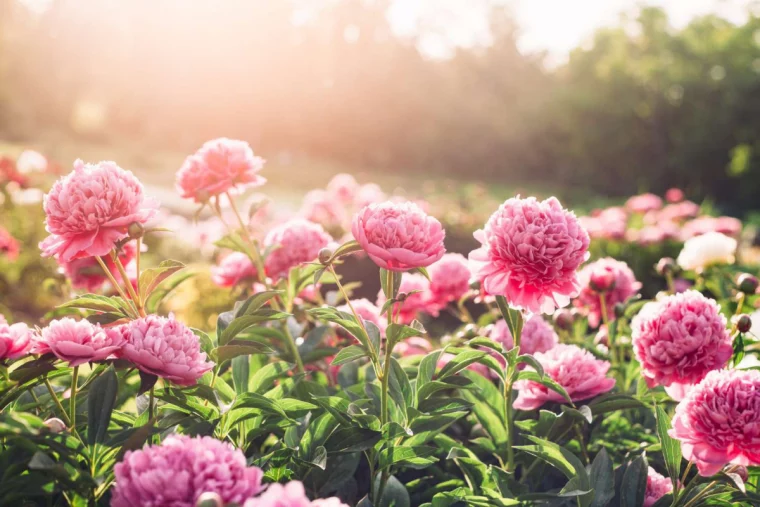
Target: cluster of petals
<point>729,226</point>
<point>293,243</point>
<point>417,290</point>
<point>717,421</point>
<point>643,203</point>
<point>581,375</point>
<point>398,236</point>
<point>621,285</point>
<point>164,347</point>
<point>609,223</point>
<point>291,494</point>
<point>368,312</point>
<point>79,342</point>
<point>9,173</point>
<point>234,269</point>
<point>537,335</point>
<point>674,195</point>
<point>86,272</point>
<point>343,187</point>
<point>449,279</point>
<point>530,252</point>
<point>179,470</point>
<point>679,339</point>
<point>90,209</point>
<point>15,340</point>
<point>9,246</point>
<point>219,166</point>
<point>320,207</point>
<point>706,250</point>
<point>657,487</point>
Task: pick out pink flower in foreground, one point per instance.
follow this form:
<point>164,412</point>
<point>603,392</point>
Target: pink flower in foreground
<point>398,236</point>
<point>674,195</point>
<point>294,242</point>
<point>367,311</point>
<point>8,244</point>
<point>530,251</point>
<point>219,166</point>
<point>80,342</point>
<point>581,374</point>
<point>86,272</point>
<point>91,208</point>
<point>164,347</point>
<point>657,487</point>
<point>449,279</point>
<point>679,339</point>
<point>717,422</point>
<point>416,303</point>
<point>181,469</point>
<point>15,340</point>
<point>233,269</point>
<point>593,279</point>
<point>343,187</point>
<point>643,203</point>
<point>537,335</point>
<point>291,494</point>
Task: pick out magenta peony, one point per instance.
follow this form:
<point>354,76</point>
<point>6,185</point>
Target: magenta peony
<point>219,166</point>
<point>414,304</point>
<point>294,242</point>
<point>89,210</point>
<point>15,340</point>
<point>717,422</point>
<point>87,274</point>
<point>679,339</point>
<point>449,279</point>
<point>643,203</point>
<point>164,347</point>
<point>609,278</point>
<point>530,251</point>
<point>291,494</point>
<point>367,311</point>
<point>79,342</point>
<point>537,335</point>
<point>581,374</point>
<point>398,236</point>
<point>181,469</point>
<point>657,487</point>
<point>234,269</point>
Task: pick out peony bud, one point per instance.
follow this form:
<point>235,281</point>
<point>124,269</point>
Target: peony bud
<point>209,500</point>
<point>747,283</point>
<point>470,331</point>
<point>602,336</point>
<point>741,471</point>
<point>136,230</point>
<point>325,255</point>
<point>665,265</point>
<point>742,322</point>
<point>55,425</point>
<point>475,284</point>
<point>619,310</point>
<point>602,281</point>
<point>563,319</point>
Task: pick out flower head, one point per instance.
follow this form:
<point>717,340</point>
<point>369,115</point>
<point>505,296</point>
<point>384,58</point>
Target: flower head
<point>320,207</point>
<point>657,487</point>
<point>608,278</point>
<point>234,269</point>
<point>8,244</point>
<point>15,340</point>
<point>679,339</point>
<point>707,249</point>
<point>643,203</point>
<point>674,195</point>
<point>79,342</point>
<point>398,236</point>
<point>86,272</point>
<point>415,302</point>
<point>537,335</point>
<point>291,494</point>
<point>343,187</point>
<point>177,472</point>
<point>293,243</point>
<point>530,251</point>
<point>91,208</point>
<point>449,279</point>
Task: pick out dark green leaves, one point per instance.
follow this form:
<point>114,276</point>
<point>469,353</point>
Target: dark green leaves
<point>100,404</point>
<point>348,354</point>
<point>671,448</point>
<point>634,485</point>
<point>602,479</point>
<point>513,317</point>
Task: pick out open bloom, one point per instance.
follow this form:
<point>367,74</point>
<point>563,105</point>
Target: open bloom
<point>181,469</point>
<point>707,249</point>
<point>8,244</point>
<point>320,207</point>
<point>91,208</point>
<point>679,339</point>
<point>530,251</point>
<point>293,243</point>
<point>291,494</point>
<point>219,166</point>
<point>343,187</point>
<point>164,347</point>
<point>657,487</point>
<point>398,236</point>
<point>86,272</point>
<point>581,374</point>
<point>449,279</point>
<point>415,302</point>
<point>235,268</point>
<point>717,422</point>
<point>537,335</point>
<point>593,278</point>
<point>15,340</point>
<point>80,342</point>
<point>643,203</point>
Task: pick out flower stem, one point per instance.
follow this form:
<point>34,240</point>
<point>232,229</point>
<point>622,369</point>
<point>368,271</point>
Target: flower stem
<point>610,334</point>
<point>384,381</point>
<point>111,279</point>
<point>509,414</point>
<point>137,262</point>
<point>64,416</point>
<point>671,284</point>
<point>255,257</point>
<point>125,278</point>
<point>73,398</point>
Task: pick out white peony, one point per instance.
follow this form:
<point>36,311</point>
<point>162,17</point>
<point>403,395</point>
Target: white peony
<point>707,249</point>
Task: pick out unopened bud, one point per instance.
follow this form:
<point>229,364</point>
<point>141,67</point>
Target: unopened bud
<point>55,425</point>
<point>665,265</point>
<point>564,319</point>
<point>741,471</point>
<point>602,337</point>
<point>619,310</point>
<point>470,331</point>
<point>602,281</point>
<point>324,256</point>
<point>136,230</point>
<point>475,284</point>
<point>747,283</point>
<point>209,500</point>
<point>742,322</point>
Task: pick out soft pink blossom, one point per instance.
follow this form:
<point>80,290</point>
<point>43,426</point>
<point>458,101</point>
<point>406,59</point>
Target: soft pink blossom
<point>581,374</point>
<point>293,243</point>
<point>398,236</point>
<point>414,346</point>
<point>343,187</point>
<point>530,252</point>
<point>291,494</point>
<point>622,285</point>
<point>91,208</point>
<point>679,339</point>
<point>674,195</point>
<point>369,193</point>
<point>233,269</point>
<point>31,161</point>
<point>717,421</point>
<point>657,487</point>
<point>15,340</point>
<point>609,223</point>
<point>729,226</point>
<point>449,279</point>
<point>86,272</point>
<point>643,203</point>
<point>677,212</point>
<point>80,342</point>
<point>9,246</point>
<point>179,470</point>
<point>320,207</point>
<point>414,304</point>
<point>219,166</point>
<point>367,311</point>
<point>537,335</point>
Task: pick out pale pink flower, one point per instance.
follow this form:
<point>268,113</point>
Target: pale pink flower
<point>233,269</point>
<point>414,304</point>
<point>449,279</point>
<point>678,212</point>
<point>653,234</point>
<point>701,225</point>
<point>530,252</point>
<point>679,339</point>
<point>179,470</point>
<point>609,223</point>
<point>674,195</point>
<point>706,250</point>
<point>643,203</point>
<point>166,348</point>
<point>9,246</point>
<point>399,236</point>
<point>86,272</point>
<point>717,422</point>
<point>15,340</point>
<point>31,161</point>
<point>622,286</point>
<point>219,166</point>
<point>320,207</point>
<point>414,346</point>
<point>291,494</point>
<point>537,335</point>
<point>367,311</point>
<point>343,187</point>
<point>657,487</point>
<point>79,342</point>
<point>369,193</point>
<point>581,374</point>
<point>293,243</point>
<point>91,208</point>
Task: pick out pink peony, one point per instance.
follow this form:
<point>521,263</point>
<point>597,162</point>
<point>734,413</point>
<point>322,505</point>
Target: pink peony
<point>414,346</point>
<point>581,374</point>
<point>657,487</point>
<point>674,195</point>
<point>609,278</point>
<point>537,335</point>
<point>717,422</point>
<point>8,244</point>
<point>398,236</point>
<point>530,251</point>
<point>643,203</point>
<point>294,242</point>
<point>179,470</point>
<point>449,279</point>
<point>679,339</point>
<point>416,303</point>
<point>15,340</point>
<point>367,311</point>
<point>164,347</point>
<point>235,268</point>
<point>79,342</point>
<point>89,210</point>
<point>219,166</point>
<point>291,494</point>
<point>320,207</point>
<point>369,193</point>
<point>86,272</point>
<point>343,187</point>
<point>729,226</point>
<point>609,223</point>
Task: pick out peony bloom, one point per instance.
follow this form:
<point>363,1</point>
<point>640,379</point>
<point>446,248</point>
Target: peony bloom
<point>164,347</point>
<point>610,279</point>
<point>219,166</point>
<point>414,346</point>
<point>674,195</point>
<point>181,469</point>
<point>343,187</point>
<point>15,340</point>
<point>416,303</point>
<point>643,203</point>
<point>369,193</point>
<point>679,339</point>
<point>320,207</point>
<point>581,374</point>
<point>657,487</point>
<point>8,244</point>
<point>705,250</point>
<point>717,422</point>
<point>235,268</point>
<point>367,311</point>
<point>294,242</point>
<point>530,251</point>
<point>90,209</point>
<point>398,236</point>
<point>609,223</point>
<point>291,494</point>
<point>79,342</point>
<point>537,335</point>
<point>86,272</point>
<point>449,279</point>
<point>729,226</point>
<point>31,161</point>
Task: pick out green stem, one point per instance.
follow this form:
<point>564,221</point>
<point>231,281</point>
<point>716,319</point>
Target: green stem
<point>671,284</point>
<point>128,284</point>
<point>293,349</point>
<point>109,275</point>
<point>73,398</point>
<point>582,443</point>
<point>58,403</point>
<point>509,413</point>
<point>610,334</point>
<point>255,257</point>
<point>384,380</point>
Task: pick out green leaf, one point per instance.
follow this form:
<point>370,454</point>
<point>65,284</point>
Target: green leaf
<point>264,378</point>
<point>240,373</point>
<point>482,341</point>
<point>353,439</point>
<point>253,400</point>
<point>602,479</point>
<point>240,324</point>
<point>232,241</point>
<point>418,455</point>
<point>96,303</point>
<point>255,302</point>
<point>558,457</point>
<point>531,361</point>
<point>345,249</point>
<point>399,332</point>
<point>633,488</point>
<point>612,402</point>
<point>150,278</point>
<point>671,448</point>
<point>514,318</point>
<point>546,381</point>
<point>101,400</point>
<point>460,362</point>
<point>348,354</point>
<point>426,368</point>
<point>165,288</point>
<point>237,348</point>
<point>399,387</point>
<point>394,494</point>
